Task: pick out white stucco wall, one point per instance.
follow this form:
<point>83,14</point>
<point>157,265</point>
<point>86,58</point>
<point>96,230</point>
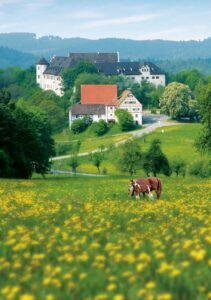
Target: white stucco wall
<point>133,106</point>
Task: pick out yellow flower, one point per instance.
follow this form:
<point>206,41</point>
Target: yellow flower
<point>111,287</point>
<point>27,297</point>
<point>82,275</point>
<point>185,264</point>
<point>198,255</point>
<point>175,273</point>
<point>50,297</point>
<point>101,297</point>
<point>119,297</point>
<point>140,267</point>
<point>142,292</point>
<point>150,285</point>
<point>165,296</point>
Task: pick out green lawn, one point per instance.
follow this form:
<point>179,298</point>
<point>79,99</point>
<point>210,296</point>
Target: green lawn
<point>83,238</point>
<point>177,142</point>
<point>89,141</point>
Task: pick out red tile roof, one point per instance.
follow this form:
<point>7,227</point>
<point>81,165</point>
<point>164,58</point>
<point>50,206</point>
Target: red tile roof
<point>98,93</point>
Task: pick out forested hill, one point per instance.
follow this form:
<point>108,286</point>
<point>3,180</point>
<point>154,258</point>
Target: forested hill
<point>11,57</point>
<point>133,49</point>
<point>24,49</point>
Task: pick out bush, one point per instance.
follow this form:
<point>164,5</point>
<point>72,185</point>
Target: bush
<point>179,167</point>
<point>99,128</point>
<point>78,126</point>
<point>201,168</point>
<point>153,111</point>
<point>125,119</point>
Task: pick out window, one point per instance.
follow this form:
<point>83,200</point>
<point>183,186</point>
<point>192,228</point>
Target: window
<point>38,68</point>
<point>153,77</point>
<point>111,107</point>
<point>142,78</point>
<point>147,77</point>
<point>136,116</point>
<point>157,77</point>
<point>38,76</point>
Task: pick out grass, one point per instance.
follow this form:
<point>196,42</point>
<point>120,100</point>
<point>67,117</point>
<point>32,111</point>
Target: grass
<point>177,142</point>
<point>89,141</point>
<point>77,238</point>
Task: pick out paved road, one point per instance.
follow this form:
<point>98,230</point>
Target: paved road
<point>152,122</point>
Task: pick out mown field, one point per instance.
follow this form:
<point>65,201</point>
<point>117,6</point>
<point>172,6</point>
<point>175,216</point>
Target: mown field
<point>76,238</point>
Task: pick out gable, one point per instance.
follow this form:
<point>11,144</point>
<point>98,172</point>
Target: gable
<point>130,100</point>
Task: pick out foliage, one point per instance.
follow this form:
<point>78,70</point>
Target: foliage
<point>125,119</point>
<point>200,168</point>
<point>203,142</point>
<point>80,125</point>
<point>130,157</point>
<point>155,161</point>
<point>74,163</point>
<point>188,77</point>
<point>177,101</point>
<point>25,138</point>
<point>69,75</point>
<point>97,159</point>
<point>179,167</point>
<point>99,128</point>
<point>147,93</point>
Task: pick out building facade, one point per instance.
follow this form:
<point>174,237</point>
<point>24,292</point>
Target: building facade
<point>48,75</point>
<point>96,107</point>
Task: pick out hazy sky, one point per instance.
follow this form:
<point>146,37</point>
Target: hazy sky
<point>135,19</point>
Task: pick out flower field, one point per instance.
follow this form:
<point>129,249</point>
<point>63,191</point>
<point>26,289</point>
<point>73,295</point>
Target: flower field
<point>83,238</point>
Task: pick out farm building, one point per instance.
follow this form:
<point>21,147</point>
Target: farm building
<point>99,102</point>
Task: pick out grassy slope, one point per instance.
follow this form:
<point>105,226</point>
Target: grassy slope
<point>89,141</point>
<point>80,239</point>
<point>177,142</point>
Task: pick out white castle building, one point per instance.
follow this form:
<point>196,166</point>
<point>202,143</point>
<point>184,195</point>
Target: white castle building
<point>49,75</point>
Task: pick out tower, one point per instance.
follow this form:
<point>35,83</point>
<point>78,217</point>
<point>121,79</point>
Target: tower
<point>41,66</point>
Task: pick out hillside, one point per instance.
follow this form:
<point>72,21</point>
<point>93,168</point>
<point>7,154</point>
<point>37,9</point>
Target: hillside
<point>133,49</point>
<point>11,58</point>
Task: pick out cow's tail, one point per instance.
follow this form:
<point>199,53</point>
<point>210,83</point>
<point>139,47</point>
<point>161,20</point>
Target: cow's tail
<point>159,187</point>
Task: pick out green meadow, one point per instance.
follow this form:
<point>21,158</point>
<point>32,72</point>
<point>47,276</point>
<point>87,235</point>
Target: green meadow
<point>177,141</point>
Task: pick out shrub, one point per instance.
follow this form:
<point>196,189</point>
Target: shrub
<point>179,167</point>
<point>79,125</point>
<point>200,168</point>
<point>125,119</point>
<point>74,163</point>
<point>100,128</point>
<point>155,160</point>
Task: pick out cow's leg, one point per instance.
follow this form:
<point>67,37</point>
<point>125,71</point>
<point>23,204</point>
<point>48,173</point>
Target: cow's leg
<point>137,195</point>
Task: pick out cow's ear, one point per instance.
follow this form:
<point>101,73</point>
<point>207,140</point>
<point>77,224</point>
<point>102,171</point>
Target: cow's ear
<point>132,181</point>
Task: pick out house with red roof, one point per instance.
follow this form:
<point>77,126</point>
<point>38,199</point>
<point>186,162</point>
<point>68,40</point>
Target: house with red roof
<point>100,101</point>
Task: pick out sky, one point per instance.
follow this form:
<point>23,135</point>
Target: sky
<point>93,19</point>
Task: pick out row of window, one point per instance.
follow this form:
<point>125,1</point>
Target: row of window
<point>130,102</point>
